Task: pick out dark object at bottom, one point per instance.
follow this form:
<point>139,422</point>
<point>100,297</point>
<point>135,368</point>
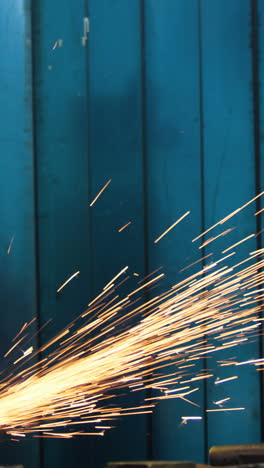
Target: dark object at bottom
<point>233,456</point>
<point>11,466</point>
<point>227,455</point>
<point>154,464</point>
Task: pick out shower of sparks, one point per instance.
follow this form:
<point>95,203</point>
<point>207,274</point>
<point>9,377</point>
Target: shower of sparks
<point>68,280</point>
<point>124,227</point>
<point>126,343</point>
<point>100,193</point>
<point>10,245</point>
<point>90,362</point>
<point>171,227</point>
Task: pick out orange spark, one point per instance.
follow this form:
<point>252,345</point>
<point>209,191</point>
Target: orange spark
<point>197,261</point>
<point>124,227</point>
<point>237,243</point>
<point>100,193</point>
<point>68,280</point>
<point>171,227</point>
<point>226,380</point>
<point>260,211</point>
<point>224,409</point>
<point>212,239</point>
<point>222,221</point>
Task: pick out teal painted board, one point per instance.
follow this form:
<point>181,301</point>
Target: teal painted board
<point>115,129</point>
<point>173,185</point>
<point>229,181</point>
<point>17,268</point>
<point>259,50</point>
<point>62,178</point>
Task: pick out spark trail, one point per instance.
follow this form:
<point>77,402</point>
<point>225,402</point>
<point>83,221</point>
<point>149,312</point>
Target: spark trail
<point>77,380</point>
<point>125,343</point>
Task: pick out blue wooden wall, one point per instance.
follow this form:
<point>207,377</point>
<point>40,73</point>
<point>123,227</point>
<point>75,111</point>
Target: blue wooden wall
<point>166,99</point>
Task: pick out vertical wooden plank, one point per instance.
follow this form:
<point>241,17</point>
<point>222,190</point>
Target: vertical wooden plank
<point>229,181</point>
<point>116,153</point>
<point>17,269</point>
<point>62,177</point>
<point>258,50</point>
<point>174,183</point>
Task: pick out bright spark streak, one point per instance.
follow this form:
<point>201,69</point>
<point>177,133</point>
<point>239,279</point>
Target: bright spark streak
<point>100,193</point>
<point>226,380</point>
<point>124,227</point>
<point>191,418</point>
<point>112,280</point>
<point>223,220</point>
<point>260,211</point>
<point>221,401</point>
<point>216,237</point>
<point>238,243</point>
<point>252,361</point>
<point>176,390</point>
<point>224,409</point>
<point>146,284</point>
<point>197,261</point>
<point>10,245</point>
<point>13,347</point>
<point>171,227</point>
<point>68,280</point>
